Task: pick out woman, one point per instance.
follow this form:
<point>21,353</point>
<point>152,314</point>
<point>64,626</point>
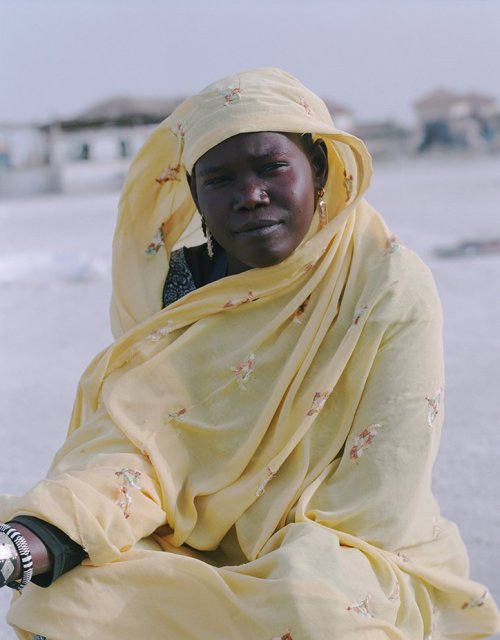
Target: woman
<point>253,460</point>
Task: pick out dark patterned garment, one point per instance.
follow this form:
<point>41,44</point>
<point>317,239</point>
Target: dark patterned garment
<point>180,280</point>
<point>191,268</point>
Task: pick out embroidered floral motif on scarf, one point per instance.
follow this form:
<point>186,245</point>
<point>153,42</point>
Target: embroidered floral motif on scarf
<point>348,185</point>
<point>180,133</point>
<point>156,243</point>
<point>433,402</point>
<point>178,415</point>
<point>244,370</point>
<point>392,245</point>
<point>363,441</point>
<point>127,478</point>
<point>436,528</point>
<point>362,607</point>
<point>306,106</point>
<point>236,302</point>
<point>395,592</point>
<point>268,477</point>
<point>318,402</point>
<point>301,310</point>
<point>358,314</point>
<point>477,602</point>
<point>170,174</point>
<point>160,333</point>
<point>231,94</point>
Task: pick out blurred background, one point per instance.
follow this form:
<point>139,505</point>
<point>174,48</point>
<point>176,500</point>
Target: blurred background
<point>83,84</point>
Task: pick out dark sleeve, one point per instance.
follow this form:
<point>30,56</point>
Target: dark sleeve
<point>64,553</point>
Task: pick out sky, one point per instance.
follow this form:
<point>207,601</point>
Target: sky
<point>59,57</point>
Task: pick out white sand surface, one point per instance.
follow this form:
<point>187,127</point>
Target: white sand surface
<point>54,292</point>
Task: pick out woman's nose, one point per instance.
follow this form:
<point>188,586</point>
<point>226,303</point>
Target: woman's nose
<point>250,194</point>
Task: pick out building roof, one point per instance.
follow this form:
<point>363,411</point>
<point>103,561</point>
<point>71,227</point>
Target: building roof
<point>444,98</point>
<point>123,110</point>
<point>479,99</point>
<point>438,98</point>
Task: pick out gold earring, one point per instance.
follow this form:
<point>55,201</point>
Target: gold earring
<point>210,244</point>
<point>323,218</point>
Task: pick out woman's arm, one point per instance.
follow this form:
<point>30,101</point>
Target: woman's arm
<point>53,552</point>
<point>101,492</point>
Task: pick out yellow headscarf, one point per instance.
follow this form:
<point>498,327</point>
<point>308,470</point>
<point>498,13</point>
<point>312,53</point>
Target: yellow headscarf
<point>156,207</point>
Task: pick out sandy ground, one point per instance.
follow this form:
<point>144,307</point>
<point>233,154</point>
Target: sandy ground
<point>54,291</point>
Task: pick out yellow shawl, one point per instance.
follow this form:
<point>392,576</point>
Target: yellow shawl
<point>254,461</point>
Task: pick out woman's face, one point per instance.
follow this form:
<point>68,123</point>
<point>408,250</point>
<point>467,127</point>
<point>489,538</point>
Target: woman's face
<point>257,193</point>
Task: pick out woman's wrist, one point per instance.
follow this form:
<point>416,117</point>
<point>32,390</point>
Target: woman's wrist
<point>17,563</point>
<point>22,555</point>
<point>42,562</point>
<point>10,562</point>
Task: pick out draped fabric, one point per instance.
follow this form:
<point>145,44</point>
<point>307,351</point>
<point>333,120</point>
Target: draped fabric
<point>254,461</point>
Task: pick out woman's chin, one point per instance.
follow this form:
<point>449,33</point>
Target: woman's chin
<point>257,260</point>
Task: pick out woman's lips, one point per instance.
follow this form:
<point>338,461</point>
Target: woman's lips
<point>260,228</point>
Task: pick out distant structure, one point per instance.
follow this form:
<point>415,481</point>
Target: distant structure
<point>110,130</point>
<point>456,120</point>
<point>88,152</point>
<point>25,166</point>
<point>124,111</point>
<point>384,139</point>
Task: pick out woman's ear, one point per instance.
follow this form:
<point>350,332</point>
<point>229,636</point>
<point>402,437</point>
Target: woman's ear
<point>319,163</point>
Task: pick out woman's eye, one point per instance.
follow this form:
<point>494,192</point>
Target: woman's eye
<point>274,166</point>
<point>216,180</point>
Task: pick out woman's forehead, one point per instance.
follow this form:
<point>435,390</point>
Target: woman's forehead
<point>249,145</point>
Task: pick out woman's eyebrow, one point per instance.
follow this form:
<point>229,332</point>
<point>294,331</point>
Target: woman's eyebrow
<point>268,154</point>
<point>210,170</point>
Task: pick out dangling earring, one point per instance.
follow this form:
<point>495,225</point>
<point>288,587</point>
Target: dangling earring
<point>210,244</point>
<point>323,218</point>
<point>208,237</point>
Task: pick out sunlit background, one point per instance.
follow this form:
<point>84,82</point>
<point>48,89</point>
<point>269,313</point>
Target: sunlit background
<point>83,83</point>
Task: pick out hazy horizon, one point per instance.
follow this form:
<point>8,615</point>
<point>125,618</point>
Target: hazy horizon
<point>377,57</point>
